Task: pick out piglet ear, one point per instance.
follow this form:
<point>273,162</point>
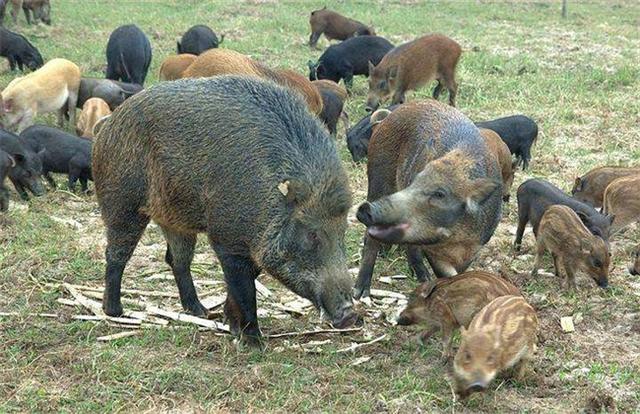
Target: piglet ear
<point>379,116</point>
<point>7,105</point>
<point>295,191</point>
<point>481,190</point>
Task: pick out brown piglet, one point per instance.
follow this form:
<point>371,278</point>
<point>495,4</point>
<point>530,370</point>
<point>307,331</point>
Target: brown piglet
<point>173,66</point>
<point>572,246</point>
<point>622,201</point>
<point>501,336</point>
<point>93,110</point>
<point>590,187</point>
<point>503,156</point>
<point>335,26</point>
<point>451,302</point>
<point>413,65</point>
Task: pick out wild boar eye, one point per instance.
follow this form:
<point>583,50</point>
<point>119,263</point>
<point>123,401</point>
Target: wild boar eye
<point>467,356</point>
<point>439,194</point>
<point>597,263</point>
<point>382,84</point>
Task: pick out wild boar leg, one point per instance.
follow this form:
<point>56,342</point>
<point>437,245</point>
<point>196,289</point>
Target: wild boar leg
<point>21,191</point>
<point>313,39</point>
<point>72,179</point>
<point>523,218</point>
<point>537,262</point>
<point>348,81</point>
<point>71,107</point>
<point>398,97</point>
<point>447,340</point>
<point>50,180</point>
<point>179,256</point>
<point>240,307</point>
<point>450,82</point>
<point>83,184</point>
<point>368,261</point>
<point>437,90</point>
<point>416,263</point>
<point>426,334</point>
<point>570,276</point>
<point>123,235</point>
<point>556,264</point>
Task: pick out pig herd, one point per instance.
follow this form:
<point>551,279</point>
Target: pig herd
<point>242,152</point>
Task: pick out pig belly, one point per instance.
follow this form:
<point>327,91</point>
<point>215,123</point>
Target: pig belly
<point>54,102</point>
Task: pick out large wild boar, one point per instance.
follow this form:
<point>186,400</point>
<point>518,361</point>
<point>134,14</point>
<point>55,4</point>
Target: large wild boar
<point>128,55</point>
<point>215,62</point>
<point>25,165</point>
<point>501,336</point>
<point>434,186</point>
<point>451,302</point>
<point>413,65</point>
<point>172,154</point>
<point>535,196</point>
<point>335,26</point>
<point>590,187</point>
<point>519,132</point>
<point>572,247</point>
<point>622,201</point>
<point>503,156</point>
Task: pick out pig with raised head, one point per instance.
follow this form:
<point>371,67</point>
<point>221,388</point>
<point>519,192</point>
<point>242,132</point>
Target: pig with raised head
<point>535,196</point>
<point>349,58</point>
<point>198,39</point>
<point>434,186</point>
<point>634,269</point>
<point>572,247</point>
<point>335,26</point>
<point>263,181</point>
<point>19,51</point>
<point>451,302</point>
<point>25,167</point>
<point>590,187</point>
<point>503,156</point>
<point>413,65</point>
<point>501,336</point>
<point>622,200</point>
<point>519,132</point>
<point>128,55</point>
<point>359,135</point>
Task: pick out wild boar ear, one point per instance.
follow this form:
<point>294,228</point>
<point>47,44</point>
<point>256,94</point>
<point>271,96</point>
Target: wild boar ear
<point>294,190</point>
<point>481,190</point>
<point>13,160</point>
<point>19,159</point>
<point>371,67</point>
<point>379,116</point>
<point>582,216</point>
<point>393,72</point>
<point>427,288</point>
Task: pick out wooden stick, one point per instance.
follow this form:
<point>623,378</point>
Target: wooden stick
<point>68,302</point>
<point>125,291</point>
<point>126,321</point>
<point>356,346</point>
<point>379,293</point>
<point>119,335</point>
<point>287,309</point>
<point>316,332</point>
<point>213,302</point>
<point>126,301</point>
<point>183,317</point>
<point>262,289</point>
<point>90,304</point>
<point>41,315</point>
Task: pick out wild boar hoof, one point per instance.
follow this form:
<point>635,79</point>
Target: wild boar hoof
<point>252,342</point>
<point>112,309</point>
<point>196,309</point>
<point>360,292</point>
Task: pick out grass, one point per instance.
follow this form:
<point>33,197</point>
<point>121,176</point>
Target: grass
<point>579,78</point>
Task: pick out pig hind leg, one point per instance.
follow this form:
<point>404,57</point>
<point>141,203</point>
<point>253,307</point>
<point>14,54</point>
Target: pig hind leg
<point>240,307</point>
<point>449,80</point>
<point>313,39</point>
<point>123,235</point>
<point>179,256</point>
<point>70,109</point>
<point>437,90</point>
<point>540,248</point>
<point>368,261</point>
<point>523,219</point>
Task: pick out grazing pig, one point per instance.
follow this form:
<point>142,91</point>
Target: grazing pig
<point>53,87</point>
<point>501,336</point>
<point>176,164</point>
<point>519,132</point>
<point>20,53</point>
<point>215,62</point>
<point>572,247</point>
<point>503,156</point>
<point>333,98</point>
<point>41,10</point>
<point>349,58</point>
<point>128,55</point>
<point>26,165</point>
<point>590,187</point>
<point>535,196</point>
<point>622,200</point>
<point>110,91</point>
<point>60,153</point>
<point>335,26</point>
<point>434,186</point>
<point>634,269</point>
<point>358,137</point>
<point>412,65</point>
<point>7,162</point>
<point>198,39</point>
<point>92,111</point>
<point>451,302</point>
<point>173,66</point>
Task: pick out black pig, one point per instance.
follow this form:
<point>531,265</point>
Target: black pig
<point>26,173</point>
<point>112,92</point>
<point>519,132</point>
<point>198,39</point>
<point>349,58</point>
<point>535,196</point>
<point>128,55</point>
<point>17,49</point>
<point>7,162</point>
<point>264,181</point>
<point>60,153</point>
<point>359,135</point>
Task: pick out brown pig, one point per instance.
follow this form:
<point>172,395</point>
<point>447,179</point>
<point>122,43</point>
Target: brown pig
<point>93,110</point>
<point>622,200</point>
<point>215,62</point>
<point>572,246</point>
<point>335,26</point>
<point>590,187</point>
<point>503,156</point>
<point>333,99</point>
<point>634,269</point>
<point>413,65</point>
<point>502,335</point>
<point>173,66</point>
<point>451,302</point>
<point>434,187</point>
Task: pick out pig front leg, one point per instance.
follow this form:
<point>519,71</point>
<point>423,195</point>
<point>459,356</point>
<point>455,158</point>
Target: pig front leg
<point>538,261</point>
<point>50,180</point>
<point>240,307</point>
<point>398,97</point>
<point>368,261</point>
<point>570,276</point>
<point>416,263</point>
<point>523,219</point>
<point>313,39</point>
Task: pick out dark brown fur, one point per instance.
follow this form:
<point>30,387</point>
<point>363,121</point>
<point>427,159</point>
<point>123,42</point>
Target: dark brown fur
<point>335,26</point>
<point>622,200</point>
<point>412,65</point>
<point>572,246</point>
<point>590,187</point>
